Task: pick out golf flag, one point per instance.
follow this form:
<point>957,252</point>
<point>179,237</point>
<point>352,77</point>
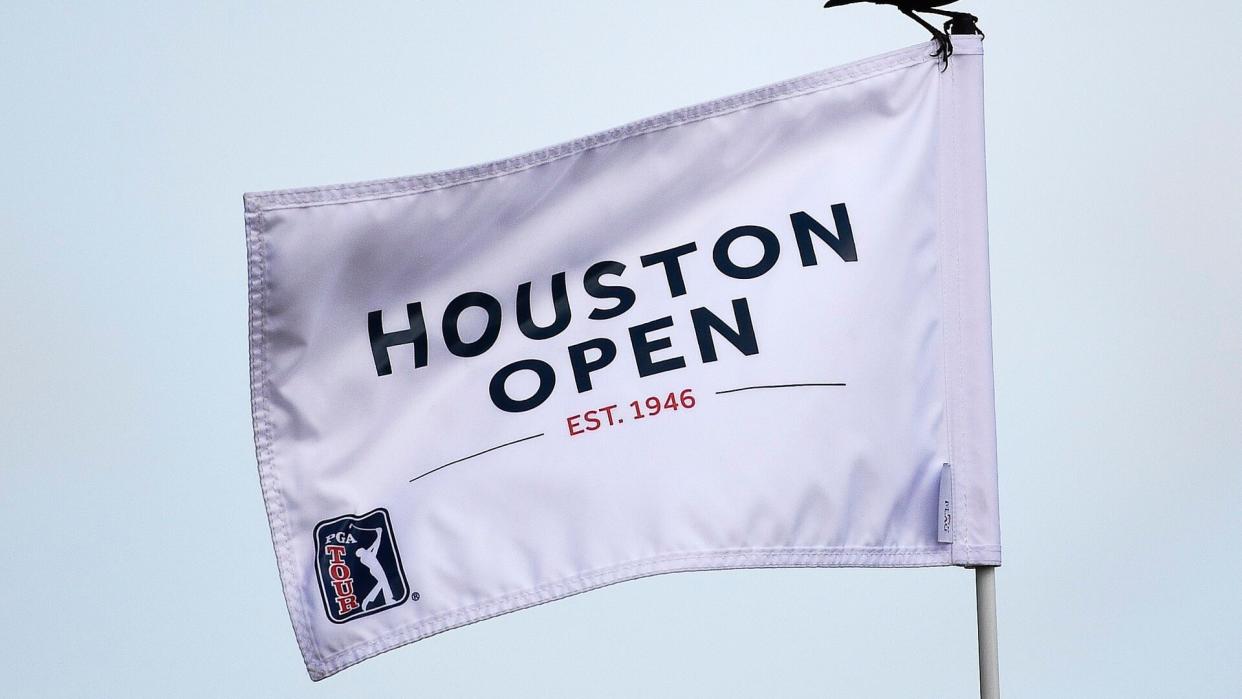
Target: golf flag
<point>750,333</point>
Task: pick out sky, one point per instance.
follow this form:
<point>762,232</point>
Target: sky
<point>138,562</point>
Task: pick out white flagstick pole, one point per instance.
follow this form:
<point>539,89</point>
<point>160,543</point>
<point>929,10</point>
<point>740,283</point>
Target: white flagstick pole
<point>985,610</point>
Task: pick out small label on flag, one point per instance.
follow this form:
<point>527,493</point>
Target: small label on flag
<point>944,527</point>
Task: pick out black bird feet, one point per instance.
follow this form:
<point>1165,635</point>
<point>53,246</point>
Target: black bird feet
<point>944,49</point>
<point>958,22</point>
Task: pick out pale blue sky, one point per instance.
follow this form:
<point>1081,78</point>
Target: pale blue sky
<point>137,560</point>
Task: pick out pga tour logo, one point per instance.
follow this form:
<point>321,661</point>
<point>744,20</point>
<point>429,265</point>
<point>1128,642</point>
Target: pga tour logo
<point>358,565</point>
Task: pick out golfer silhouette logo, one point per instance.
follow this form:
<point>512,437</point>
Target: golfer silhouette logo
<point>370,558</point>
<point>359,566</point>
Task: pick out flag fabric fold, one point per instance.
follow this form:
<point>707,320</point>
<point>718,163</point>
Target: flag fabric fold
<point>750,333</point>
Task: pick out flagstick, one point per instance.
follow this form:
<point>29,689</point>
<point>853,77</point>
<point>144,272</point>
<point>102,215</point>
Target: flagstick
<point>985,610</point>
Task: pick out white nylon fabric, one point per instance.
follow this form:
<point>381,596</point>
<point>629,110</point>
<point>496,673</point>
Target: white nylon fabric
<point>795,475</point>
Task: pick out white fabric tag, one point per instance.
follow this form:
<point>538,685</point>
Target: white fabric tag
<point>944,526</point>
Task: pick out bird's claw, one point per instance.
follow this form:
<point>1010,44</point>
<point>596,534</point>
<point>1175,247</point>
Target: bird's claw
<point>944,49</point>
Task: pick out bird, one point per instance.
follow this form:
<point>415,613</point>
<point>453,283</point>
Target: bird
<point>957,20</point>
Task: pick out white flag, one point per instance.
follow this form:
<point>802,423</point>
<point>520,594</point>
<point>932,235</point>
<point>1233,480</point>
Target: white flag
<point>750,333</point>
